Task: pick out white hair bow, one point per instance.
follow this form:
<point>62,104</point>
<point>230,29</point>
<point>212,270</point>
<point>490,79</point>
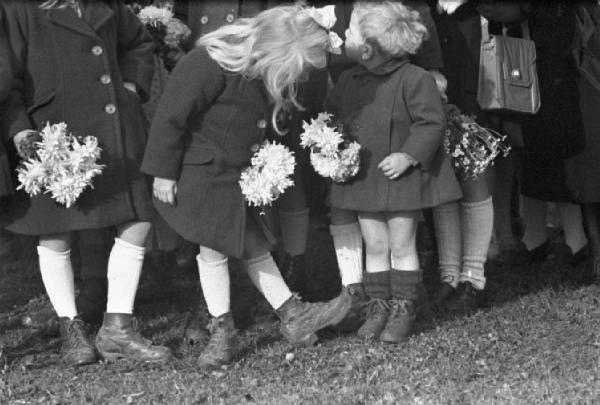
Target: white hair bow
<point>325,17</point>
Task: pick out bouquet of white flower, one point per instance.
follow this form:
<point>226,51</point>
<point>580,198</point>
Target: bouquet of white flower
<point>168,32</point>
<point>472,147</point>
<point>269,174</point>
<point>331,155</point>
<point>61,165</point>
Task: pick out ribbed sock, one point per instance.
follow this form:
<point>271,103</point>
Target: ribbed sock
<point>377,285</point>
<point>446,219</point>
<point>124,269</point>
<point>294,231</point>
<point>348,244</point>
<point>406,284</point>
<point>477,224</point>
<point>57,275</point>
<point>215,282</point>
<point>266,277</point>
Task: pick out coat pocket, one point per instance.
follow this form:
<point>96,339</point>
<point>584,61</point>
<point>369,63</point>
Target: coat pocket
<point>41,102</point>
<point>199,156</point>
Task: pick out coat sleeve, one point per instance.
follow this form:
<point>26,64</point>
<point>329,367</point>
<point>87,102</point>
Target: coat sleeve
<point>428,117</point>
<point>335,95</point>
<point>136,51</point>
<point>5,66</point>
<point>429,55</point>
<point>15,118</point>
<point>193,87</point>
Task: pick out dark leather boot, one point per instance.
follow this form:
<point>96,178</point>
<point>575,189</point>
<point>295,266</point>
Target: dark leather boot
<point>91,301</point>
<point>443,294</point>
<point>223,343</point>
<point>466,299</point>
<point>378,311</point>
<point>300,320</point>
<point>119,338</point>
<point>293,271</point>
<point>76,348</point>
<point>401,321</point>
<point>357,313</point>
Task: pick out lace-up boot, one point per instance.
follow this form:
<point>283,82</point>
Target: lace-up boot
<point>401,322</point>
<point>119,338</point>
<point>76,348</point>
<point>378,311</point>
<point>358,310</point>
<point>222,346</point>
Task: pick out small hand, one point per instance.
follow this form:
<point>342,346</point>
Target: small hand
<point>394,165</point>
<point>25,142</point>
<point>441,83</point>
<point>165,190</point>
<point>130,86</point>
<point>449,6</point>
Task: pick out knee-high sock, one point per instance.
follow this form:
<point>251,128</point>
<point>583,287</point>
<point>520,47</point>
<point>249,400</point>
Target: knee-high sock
<point>347,241</point>
<point>572,222</point>
<point>534,218</point>
<point>446,219</point>
<point>57,275</point>
<point>294,231</point>
<point>215,283</point>
<point>477,223</point>
<point>266,277</point>
<point>124,269</point>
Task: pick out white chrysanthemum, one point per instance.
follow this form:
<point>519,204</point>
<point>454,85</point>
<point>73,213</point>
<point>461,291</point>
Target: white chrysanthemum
<point>153,15</point>
<point>62,167</point>
<point>177,32</point>
<point>269,174</point>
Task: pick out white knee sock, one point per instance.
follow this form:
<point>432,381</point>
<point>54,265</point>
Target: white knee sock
<point>572,222</point>
<point>347,241</point>
<point>266,277</point>
<point>534,218</point>
<point>294,231</point>
<point>124,269</point>
<point>477,223</point>
<point>216,286</point>
<point>446,220</point>
<point>57,275</point>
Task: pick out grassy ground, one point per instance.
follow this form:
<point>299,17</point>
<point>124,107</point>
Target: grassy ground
<point>538,341</point>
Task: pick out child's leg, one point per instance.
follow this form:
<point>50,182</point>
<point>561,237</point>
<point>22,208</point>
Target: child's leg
<point>57,273</point>
<point>299,320</point>
<point>446,219</point>
<point>534,217</point>
<point>215,281</point>
<point>118,338</point>
<point>572,222</point>
<point>347,241</point>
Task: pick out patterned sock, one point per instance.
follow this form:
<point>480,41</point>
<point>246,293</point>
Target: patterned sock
<point>446,219</point>
<point>406,284</point>
<point>57,275</point>
<point>347,241</point>
<point>477,227</point>
<point>124,269</point>
<point>215,282</point>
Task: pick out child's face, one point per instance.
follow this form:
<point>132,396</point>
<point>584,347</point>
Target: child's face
<point>354,40</point>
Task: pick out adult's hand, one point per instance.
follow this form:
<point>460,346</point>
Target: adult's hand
<point>165,190</point>
<point>449,6</point>
<point>25,141</point>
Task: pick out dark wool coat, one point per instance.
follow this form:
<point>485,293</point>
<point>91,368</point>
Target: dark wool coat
<point>396,108</point>
<point>6,185</point>
<point>207,126</point>
<point>72,69</point>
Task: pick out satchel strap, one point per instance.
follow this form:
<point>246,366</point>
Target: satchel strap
<point>485,29</point>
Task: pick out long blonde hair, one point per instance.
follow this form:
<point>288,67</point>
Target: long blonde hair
<point>50,4</point>
<point>277,46</point>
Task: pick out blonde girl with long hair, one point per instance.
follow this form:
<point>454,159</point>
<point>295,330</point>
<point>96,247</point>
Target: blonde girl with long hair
<point>214,113</point>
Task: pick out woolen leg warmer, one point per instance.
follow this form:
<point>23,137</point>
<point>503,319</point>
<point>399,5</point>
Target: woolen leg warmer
<point>446,219</point>
<point>477,223</point>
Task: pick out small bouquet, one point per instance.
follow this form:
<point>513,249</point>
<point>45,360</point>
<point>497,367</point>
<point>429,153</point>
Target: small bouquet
<point>61,164</point>
<point>472,147</point>
<point>167,31</point>
<point>331,155</point>
<point>269,174</point>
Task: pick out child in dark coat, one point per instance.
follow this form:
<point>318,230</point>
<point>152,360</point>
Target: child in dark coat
<point>395,111</point>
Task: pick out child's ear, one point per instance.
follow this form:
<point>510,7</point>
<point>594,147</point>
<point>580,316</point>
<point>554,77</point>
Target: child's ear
<point>367,52</point>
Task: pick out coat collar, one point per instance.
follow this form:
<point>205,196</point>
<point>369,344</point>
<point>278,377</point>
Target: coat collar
<point>256,92</point>
<point>95,15</point>
<point>385,69</point>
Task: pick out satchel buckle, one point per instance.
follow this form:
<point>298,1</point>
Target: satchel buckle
<point>516,74</point>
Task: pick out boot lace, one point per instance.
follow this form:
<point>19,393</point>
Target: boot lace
<point>377,306</point>
<point>399,308</point>
<point>76,332</point>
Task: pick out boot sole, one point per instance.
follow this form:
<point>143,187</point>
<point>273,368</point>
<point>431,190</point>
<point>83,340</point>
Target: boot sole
<point>111,357</point>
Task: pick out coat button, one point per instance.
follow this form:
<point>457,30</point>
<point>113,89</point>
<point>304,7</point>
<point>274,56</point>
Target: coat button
<point>229,18</point>
<point>105,79</point>
<point>262,124</point>
<point>97,50</point>
<point>254,148</point>
<point>110,108</point>
<point>204,20</point>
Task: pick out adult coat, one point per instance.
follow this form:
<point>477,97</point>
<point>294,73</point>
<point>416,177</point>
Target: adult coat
<point>71,69</point>
<point>206,128</point>
<point>6,185</point>
<point>393,108</point>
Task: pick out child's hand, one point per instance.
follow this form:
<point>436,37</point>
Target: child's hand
<point>165,190</point>
<point>395,165</point>
<point>25,142</point>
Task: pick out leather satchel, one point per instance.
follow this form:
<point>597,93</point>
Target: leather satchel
<point>508,78</point>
